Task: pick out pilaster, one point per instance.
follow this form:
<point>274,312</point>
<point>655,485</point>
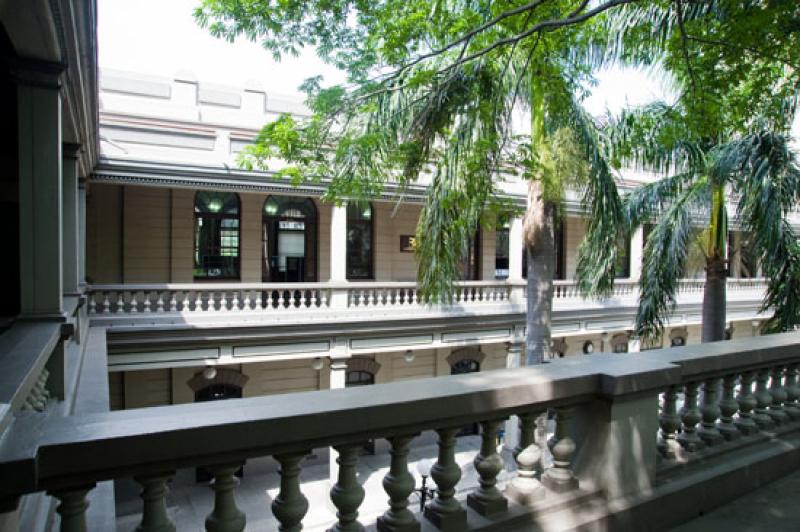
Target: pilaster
<point>40,188</point>
<point>71,239</point>
<point>637,252</point>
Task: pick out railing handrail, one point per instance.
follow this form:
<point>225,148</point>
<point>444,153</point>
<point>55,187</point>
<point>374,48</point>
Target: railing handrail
<point>84,449</point>
<point>210,287</point>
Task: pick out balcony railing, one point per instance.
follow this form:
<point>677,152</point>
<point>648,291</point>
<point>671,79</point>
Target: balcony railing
<point>611,446</point>
<point>206,298</point>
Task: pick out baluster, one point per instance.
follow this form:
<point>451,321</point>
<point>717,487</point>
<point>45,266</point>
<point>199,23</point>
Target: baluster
<point>72,505</point>
<point>146,307</point>
<point>560,477</point>
<point>290,506</point>
<point>314,299</point>
<point>670,422</point>
<point>260,300</point>
<point>106,304</point>
<point>186,305</point>
<point>120,302</point>
<point>444,511</point>
<point>134,303</point>
<point>247,304</point>
<point>708,431</point>
<point>226,516</point>
<point>776,412</point>
<point>398,484</point>
<point>154,510</point>
<point>324,298</point>
<point>347,494</point>
<point>93,303</point>
<point>281,299</point>
<point>160,303</point>
<point>763,400</point>
<point>487,499</point>
<point>792,393</point>
<point>236,301</point>
<point>525,488</point>
<point>173,301</point>
<point>747,402</point>
<point>224,300</point>
<point>727,408</point>
<point>690,417</point>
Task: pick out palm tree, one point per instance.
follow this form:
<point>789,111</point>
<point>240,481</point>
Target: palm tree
<point>447,114</point>
<point>759,169</point>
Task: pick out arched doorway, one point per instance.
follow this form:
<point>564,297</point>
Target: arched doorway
<point>466,360</point>
<point>216,385</point>
<point>289,240</point>
<point>361,372</point>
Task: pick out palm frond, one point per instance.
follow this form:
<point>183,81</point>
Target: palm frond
<point>664,259</point>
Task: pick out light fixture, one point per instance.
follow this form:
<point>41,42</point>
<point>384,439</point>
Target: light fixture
<point>210,372</point>
<point>588,347</point>
<point>316,364</point>
<point>604,336</point>
<point>215,205</point>
<point>424,467</point>
<point>410,356</point>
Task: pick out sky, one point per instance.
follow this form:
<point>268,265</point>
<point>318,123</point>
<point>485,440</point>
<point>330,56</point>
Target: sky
<point>160,37</point>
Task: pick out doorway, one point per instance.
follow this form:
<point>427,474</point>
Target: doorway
<point>289,240</point>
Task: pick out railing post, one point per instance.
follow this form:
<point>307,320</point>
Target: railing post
<point>708,429</point>
<point>763,400</point>
<point>670,423</point>
<point>290,506</point>
<point>690,417</point>
<point>398,484</point>
<point>560,477</point>
<point>444,511</point>
<point>72,508</point>
<point>727,408</point>
<point>792,392</point>
<point>525,488</point>
<point>347,494</point>
<point>154,510</point>
<point>487,499</point>
<point>747,402</point>
<point>778,393</point>
<point>226,516</point>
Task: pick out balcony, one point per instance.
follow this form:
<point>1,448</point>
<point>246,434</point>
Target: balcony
<point>297,302</point>
<point>623,455</point>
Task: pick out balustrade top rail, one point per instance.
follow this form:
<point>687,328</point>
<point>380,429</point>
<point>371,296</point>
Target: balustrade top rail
<point>51,454</point>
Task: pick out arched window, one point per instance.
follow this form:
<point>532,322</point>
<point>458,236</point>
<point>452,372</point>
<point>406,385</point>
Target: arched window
<point>359,378</point>
<point>359,241</point>
<point>216,235</point>
<point>289,240</point>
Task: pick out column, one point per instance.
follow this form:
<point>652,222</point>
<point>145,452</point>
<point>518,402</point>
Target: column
<point>637,252</point>
<point>339,255</point>
<point>513,357</point>
<point>82,231</point>
<point>40,199</point>
<point>71,238</point>
<point>515,250</point>
<point>338,378</point>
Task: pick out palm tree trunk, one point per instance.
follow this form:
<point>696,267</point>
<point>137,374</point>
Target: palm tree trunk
<point>538,228</point>
<point>714,294</point>
<point>714,300</point>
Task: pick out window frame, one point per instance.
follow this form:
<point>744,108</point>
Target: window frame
<point>217,217</point>
<point>360,221</point>
<point>311,274</point>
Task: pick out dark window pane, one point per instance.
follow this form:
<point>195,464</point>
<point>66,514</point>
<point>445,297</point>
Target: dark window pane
<point>359,241</point>
<point>216,245</point>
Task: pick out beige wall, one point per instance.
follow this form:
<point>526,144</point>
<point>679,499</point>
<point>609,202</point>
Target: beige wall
<point>104,234</point>
<point>390,262</point>
<point>575,230</point>
<point>146,235</point>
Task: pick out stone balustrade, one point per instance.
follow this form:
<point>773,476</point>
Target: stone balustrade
<point>611,445</point>
<point>208,298</point>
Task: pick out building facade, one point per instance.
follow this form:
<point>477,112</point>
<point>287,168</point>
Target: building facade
<point>194,263</point>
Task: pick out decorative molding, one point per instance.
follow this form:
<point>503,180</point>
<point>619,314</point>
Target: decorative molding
<point>223,376</point>
<point>470,352</point>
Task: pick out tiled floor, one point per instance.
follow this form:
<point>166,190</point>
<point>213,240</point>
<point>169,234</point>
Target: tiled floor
<point>773,508</point>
